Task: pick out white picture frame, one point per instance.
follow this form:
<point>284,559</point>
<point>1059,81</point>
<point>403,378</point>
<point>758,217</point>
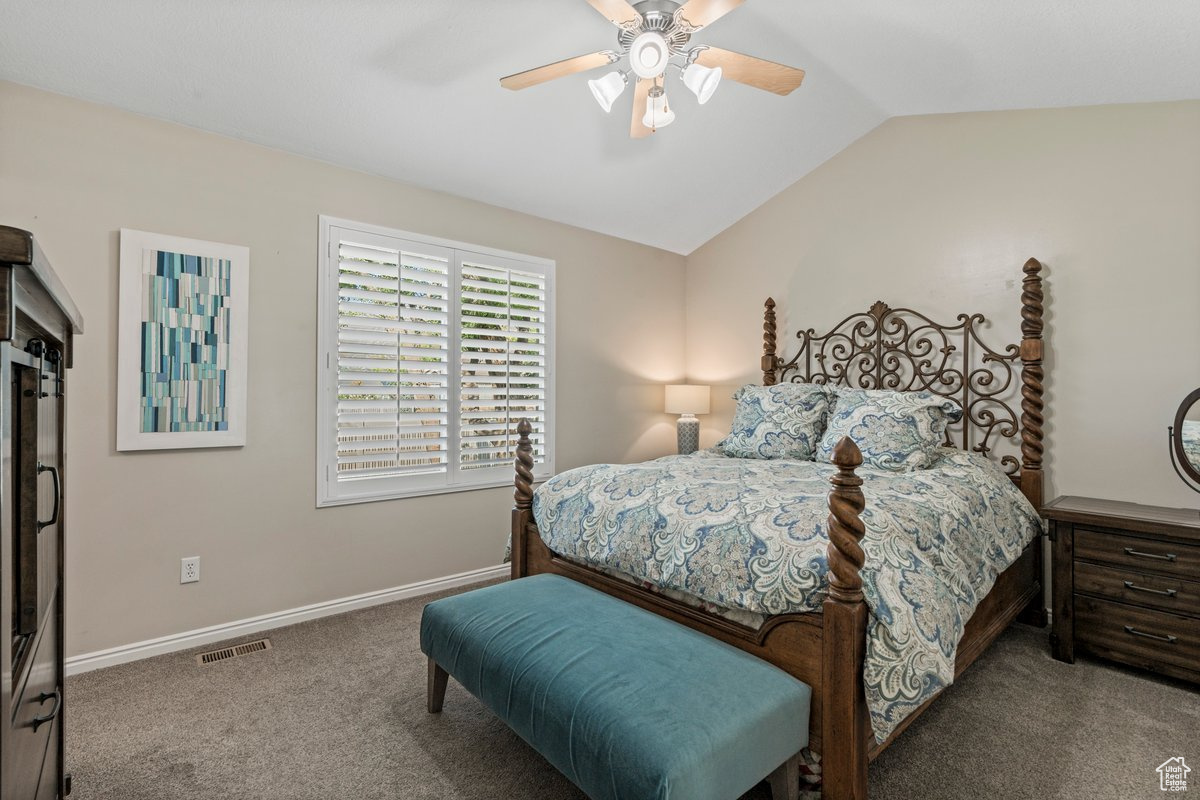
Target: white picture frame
<point>195,398</point>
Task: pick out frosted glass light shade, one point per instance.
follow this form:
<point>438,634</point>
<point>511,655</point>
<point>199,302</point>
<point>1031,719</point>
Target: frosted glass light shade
<point>658,113</point>
<point>608,88</point>
<point>702,81</point>
<point>683,399</point>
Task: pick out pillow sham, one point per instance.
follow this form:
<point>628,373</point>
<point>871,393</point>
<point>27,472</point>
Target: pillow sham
<point>783,421</point>
<point>898,431</point>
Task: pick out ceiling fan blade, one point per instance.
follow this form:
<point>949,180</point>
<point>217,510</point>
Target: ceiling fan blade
<point>618,12</point>
<point>756,72</point>
<point>699,13</point>
<point>640,93</point>
<point>559,69</point>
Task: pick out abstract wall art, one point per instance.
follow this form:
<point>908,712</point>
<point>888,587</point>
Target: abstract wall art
<point>181,366</point>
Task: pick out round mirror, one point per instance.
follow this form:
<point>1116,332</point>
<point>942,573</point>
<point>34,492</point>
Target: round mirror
<point>1185,437</point>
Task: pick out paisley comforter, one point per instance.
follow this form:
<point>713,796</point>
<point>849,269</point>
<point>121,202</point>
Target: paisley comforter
<point>749,535</point>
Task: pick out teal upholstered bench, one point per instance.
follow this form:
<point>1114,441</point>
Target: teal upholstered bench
<point>625,703</point>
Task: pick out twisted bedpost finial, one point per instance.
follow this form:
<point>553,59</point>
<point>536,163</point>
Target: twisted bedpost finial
<point>524,466</point>
<point>1031,300</point>
<point>846,528</point>
<point>769,360</point>
<point>1031,366</point>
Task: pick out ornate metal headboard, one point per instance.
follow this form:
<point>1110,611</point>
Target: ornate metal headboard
<point>902,349</point>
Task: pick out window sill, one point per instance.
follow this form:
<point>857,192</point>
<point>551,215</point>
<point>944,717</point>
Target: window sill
<point>425,492</point>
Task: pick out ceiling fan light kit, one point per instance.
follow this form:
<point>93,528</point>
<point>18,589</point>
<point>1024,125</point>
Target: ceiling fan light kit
<point>653,35</point>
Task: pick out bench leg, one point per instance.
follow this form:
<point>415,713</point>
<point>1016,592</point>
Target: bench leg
<point>785,781</point>
<point>436,689</point>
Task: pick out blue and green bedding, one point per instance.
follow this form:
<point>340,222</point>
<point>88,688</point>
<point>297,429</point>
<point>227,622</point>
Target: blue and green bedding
<point>747,537</point>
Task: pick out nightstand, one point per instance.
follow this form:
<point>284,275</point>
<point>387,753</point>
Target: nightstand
<point>1126,582</point>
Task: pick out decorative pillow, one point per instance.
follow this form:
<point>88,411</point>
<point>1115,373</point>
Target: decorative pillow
<point>898,431</point>
<point>783,421</point>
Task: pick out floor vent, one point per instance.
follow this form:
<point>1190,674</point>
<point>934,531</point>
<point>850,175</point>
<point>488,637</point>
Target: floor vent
<point>237,651</point>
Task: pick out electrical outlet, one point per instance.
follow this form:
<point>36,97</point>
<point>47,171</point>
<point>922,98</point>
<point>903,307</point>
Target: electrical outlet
<point>189,569</point>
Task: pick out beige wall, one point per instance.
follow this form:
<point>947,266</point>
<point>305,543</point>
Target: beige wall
<point>940,212</point>
<point>935,212</point>
<point>75,173</point>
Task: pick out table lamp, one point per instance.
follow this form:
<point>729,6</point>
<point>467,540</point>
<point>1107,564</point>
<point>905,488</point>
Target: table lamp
<point>687,402</point>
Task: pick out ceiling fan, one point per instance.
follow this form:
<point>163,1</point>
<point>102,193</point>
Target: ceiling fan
<point>654,35</point>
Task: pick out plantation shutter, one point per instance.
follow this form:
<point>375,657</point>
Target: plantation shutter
<point>431,354</point>
<point>392,362</point>
<point>503,365</point>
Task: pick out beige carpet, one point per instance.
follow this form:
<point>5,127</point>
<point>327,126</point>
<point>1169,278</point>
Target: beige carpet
<point>337,710</point>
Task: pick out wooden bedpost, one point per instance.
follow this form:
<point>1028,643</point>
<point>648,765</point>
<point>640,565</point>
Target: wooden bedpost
<point>1031,383</point>
<point>1032,481</point>
<point>522,511</point>
<point>845,724</point>
<point>769,361</point>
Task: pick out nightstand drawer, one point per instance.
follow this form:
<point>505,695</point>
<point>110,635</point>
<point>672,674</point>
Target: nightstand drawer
<point>1137,636</point>
<point>1144,555</point>
<point>1139,589</point>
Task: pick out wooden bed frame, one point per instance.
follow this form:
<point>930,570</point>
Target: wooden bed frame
<point>882,348</point>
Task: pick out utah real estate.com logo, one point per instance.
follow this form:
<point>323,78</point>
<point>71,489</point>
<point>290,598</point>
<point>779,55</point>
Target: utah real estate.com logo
<point>1173,774</point>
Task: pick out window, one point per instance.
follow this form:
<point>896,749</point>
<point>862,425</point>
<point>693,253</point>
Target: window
<point>430,354</point>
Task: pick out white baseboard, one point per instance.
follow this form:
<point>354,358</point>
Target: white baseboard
<point>216,633</point>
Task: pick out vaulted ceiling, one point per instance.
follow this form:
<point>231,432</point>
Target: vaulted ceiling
<point>409,88</point>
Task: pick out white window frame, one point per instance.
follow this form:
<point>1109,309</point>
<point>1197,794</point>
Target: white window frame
<point>364,490</point>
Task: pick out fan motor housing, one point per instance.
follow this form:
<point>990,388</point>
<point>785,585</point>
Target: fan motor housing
<point>657,16</point>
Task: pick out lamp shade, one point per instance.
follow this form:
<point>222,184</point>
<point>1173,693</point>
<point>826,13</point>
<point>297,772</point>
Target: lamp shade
<point>608,88</point>
<point>702,81</point>
<point>658,113</point>
<point>687,399</point>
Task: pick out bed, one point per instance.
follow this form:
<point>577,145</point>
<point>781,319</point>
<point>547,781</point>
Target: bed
<point>826,636</point>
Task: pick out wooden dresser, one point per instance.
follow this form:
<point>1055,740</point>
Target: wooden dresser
<point>1126,584</point>
<point>38,323</point>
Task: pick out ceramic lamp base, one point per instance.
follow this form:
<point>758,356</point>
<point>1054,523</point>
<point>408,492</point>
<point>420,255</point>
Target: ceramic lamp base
<point>688,429</point>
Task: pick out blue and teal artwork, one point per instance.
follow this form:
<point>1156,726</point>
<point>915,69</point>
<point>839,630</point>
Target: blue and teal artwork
<point>185,343</point>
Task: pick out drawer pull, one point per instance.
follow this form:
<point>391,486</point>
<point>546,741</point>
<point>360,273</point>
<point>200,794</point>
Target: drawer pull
<point>1163,592</point>
<point>42,698</point>
<point>1134,631</point>
<point>1129,551</point>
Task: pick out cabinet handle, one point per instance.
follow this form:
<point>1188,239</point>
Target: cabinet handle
<point>1163,592</point>
<point>57,495</point>
<point>1168,639</point>
<point>42,698</point>
<point>1129,551</point>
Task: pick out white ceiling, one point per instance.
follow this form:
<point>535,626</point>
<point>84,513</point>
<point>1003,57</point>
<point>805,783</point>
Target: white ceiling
<point>408,88</point>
